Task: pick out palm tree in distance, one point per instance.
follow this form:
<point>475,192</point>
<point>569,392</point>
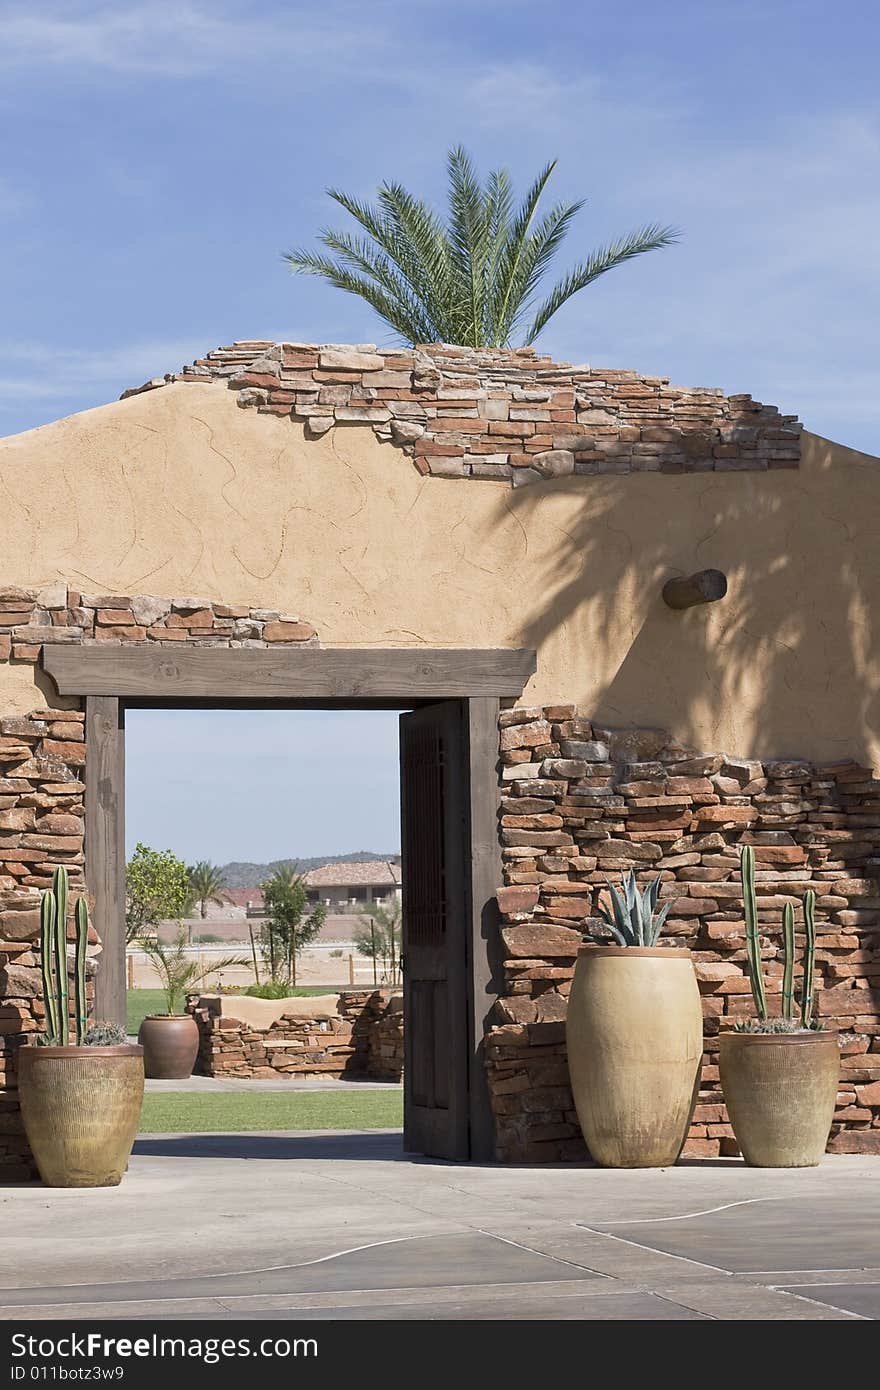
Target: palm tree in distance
<point>207,883</point>
<point>473,279</point>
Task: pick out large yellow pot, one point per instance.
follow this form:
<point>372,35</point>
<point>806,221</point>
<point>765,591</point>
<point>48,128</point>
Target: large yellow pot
<point>81,1107</point>
<point>780,1090</point>
<point>635,1044</point>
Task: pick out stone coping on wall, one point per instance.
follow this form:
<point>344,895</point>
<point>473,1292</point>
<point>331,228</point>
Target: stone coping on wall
<point>33,618</point>
<point>582,804</point>
<point>502,414</point>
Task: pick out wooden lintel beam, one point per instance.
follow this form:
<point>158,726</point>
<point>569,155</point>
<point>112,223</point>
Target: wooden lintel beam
<point>187,673</point>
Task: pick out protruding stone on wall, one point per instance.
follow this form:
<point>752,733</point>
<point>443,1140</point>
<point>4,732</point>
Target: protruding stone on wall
<point>509,415</point>
<point>581,804</point>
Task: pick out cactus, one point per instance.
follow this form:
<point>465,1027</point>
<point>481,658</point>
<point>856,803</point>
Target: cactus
<point>53,944</point>
<point>753,940</point>
<point>788,969</point>
<point>632,920</point>
<point>79,978</point>
<point>809,958</point>
<point>47,946</point>
<point>59,888</point>
<point>786,1024</point>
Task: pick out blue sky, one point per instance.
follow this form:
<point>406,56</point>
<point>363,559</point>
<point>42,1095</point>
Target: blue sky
<point>261,785</point>
<point>159,157</point>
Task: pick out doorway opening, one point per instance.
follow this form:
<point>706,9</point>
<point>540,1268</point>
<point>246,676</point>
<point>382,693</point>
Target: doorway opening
<point>264,866</point>
<point>450,852</point>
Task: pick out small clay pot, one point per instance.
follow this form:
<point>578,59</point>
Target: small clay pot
<point>171,1045</point>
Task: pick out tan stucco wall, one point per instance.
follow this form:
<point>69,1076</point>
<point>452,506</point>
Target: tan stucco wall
<point>179,491</point>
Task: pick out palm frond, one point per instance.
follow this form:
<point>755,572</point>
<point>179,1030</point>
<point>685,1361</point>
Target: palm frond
<point>515,242</point>
<point>650,238</point>
<point>390,309</point>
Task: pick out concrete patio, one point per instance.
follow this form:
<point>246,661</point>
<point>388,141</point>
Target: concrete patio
<point>344,1226</point>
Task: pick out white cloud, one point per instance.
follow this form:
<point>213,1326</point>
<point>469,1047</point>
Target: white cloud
<point>39,372</point>
<point>170,40</point>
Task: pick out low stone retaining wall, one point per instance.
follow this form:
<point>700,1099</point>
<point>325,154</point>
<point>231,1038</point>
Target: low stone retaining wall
<point>385,1038</point>
<point>582,804</point>
<point>358,1035</point>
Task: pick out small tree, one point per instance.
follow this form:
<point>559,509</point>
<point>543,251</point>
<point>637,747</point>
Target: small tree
<point>378,937</point>
<point>157,887</point>
<point>287,926</point>
<point>177,971</point>
<point>207,883</point>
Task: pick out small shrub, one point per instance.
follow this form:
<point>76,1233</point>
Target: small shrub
<point>336,954</point>
<point>271,990</point>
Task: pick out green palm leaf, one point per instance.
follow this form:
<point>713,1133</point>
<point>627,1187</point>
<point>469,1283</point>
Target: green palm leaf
<point>606,258</point>
<point>473,278</point>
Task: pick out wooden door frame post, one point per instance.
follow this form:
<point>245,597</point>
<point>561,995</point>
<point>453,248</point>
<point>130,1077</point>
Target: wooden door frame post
<point>105,848</point>
<point>484,965</point>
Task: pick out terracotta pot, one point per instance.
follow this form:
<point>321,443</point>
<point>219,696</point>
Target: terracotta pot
<point>81,1107</point>
<point>780,1090</point>
<point>171,1045</point>
<point>635,1045</point>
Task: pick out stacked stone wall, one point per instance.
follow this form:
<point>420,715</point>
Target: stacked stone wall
<point>357,1041</point>
<point>581,804</point>
<point>42,771</point>
<point>505,414</point>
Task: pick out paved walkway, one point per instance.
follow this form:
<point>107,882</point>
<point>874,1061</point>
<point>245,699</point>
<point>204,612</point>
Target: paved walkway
<point>344,1226</point>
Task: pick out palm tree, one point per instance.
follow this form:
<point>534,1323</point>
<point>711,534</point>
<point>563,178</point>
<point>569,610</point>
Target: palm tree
<point>207,884</point>
<point>473,279</point>
<point>177,972</point>
<point>378,936</point>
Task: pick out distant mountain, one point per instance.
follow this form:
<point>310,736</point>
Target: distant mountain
<point>244,875</point>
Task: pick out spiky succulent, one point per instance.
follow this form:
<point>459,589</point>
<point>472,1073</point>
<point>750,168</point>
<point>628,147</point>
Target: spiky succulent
<point>105,1034</point>
<point>774,1025</point>
<point>632,919</point>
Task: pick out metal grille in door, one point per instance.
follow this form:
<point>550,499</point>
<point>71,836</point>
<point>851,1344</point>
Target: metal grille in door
<point>425,886</point>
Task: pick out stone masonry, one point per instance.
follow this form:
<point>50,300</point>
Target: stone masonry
<point>42,764</point>
<point>581,804</point>
<point>506,414</point>
<point>362,1038</point>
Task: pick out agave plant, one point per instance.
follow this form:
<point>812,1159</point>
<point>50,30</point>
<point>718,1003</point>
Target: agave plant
<point>632,920</point>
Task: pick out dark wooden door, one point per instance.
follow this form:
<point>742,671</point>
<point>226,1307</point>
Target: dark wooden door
<point>433,767</point>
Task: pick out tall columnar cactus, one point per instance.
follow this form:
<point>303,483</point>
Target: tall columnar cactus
<point>59,888</point>
<point>80,1005</point>
<point>788,968</point>
<point>48,908</point>
<point>753,940</point>
<point>753,947</point>
<point>53,943</point>
<point>809,958</point>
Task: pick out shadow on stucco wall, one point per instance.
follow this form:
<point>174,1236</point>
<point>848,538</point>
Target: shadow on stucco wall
<point>789,659</point>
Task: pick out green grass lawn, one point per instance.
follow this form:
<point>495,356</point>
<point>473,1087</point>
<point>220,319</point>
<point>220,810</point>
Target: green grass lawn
<point>142,1002</point>
<point>152,1001</point>
<point>185,1112</point>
